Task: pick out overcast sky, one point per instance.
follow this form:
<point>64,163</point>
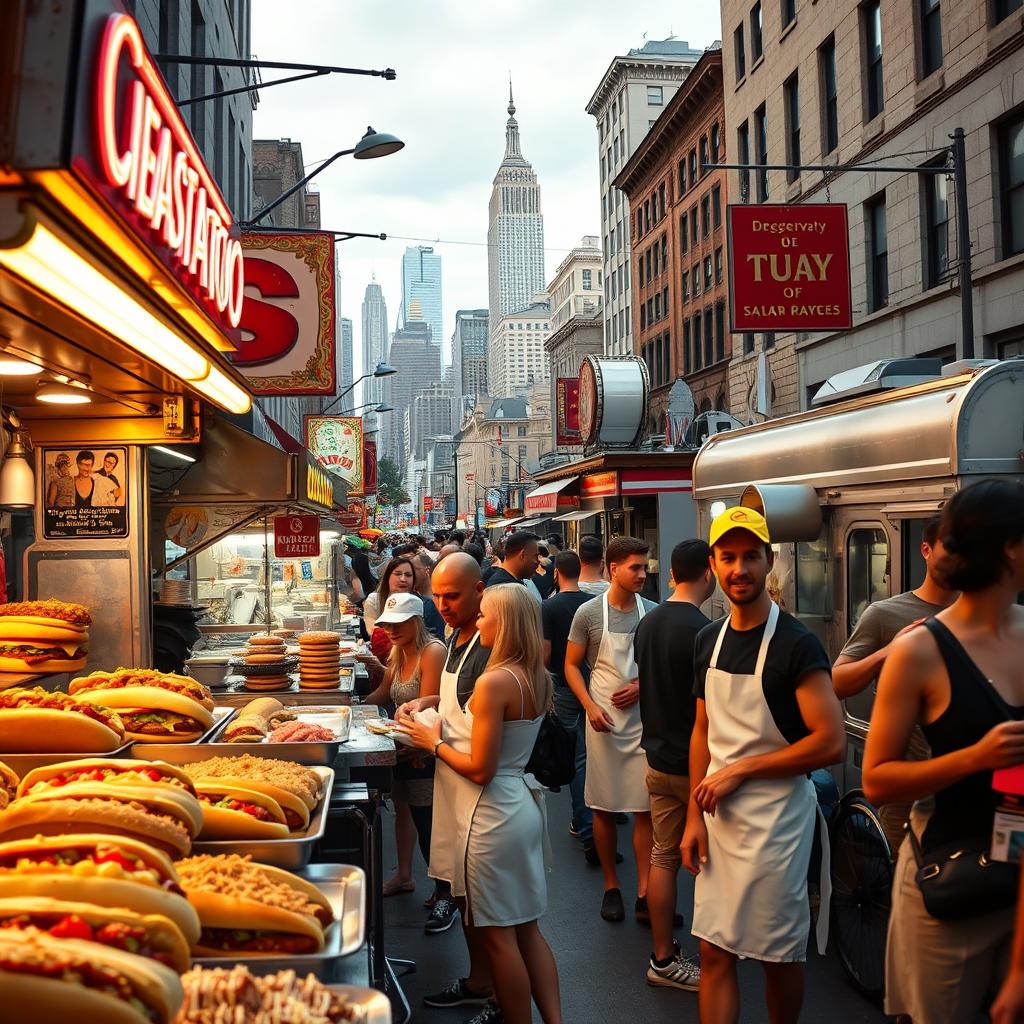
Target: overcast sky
<point>448,105</point>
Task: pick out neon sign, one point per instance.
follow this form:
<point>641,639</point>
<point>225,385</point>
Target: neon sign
<point>148,157</point>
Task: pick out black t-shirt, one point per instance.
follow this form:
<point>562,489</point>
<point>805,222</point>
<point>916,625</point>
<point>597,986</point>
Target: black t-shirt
<point>501,575</point>
<point>664,648</point>
<point>544,580</point>
<point>793,652</point>
<point>556,615</point>
<point>472,667</point>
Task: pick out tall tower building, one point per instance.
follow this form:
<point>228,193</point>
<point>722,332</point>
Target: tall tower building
<point>374,340</point>
<point>515,233</point>
<point>421,289</point>
<point>346,370</point>
<point>630,98</point>
<point>418,362</point>
<point>469,359</point>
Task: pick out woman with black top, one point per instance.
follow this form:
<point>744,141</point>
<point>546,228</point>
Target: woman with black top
<point>958,677</point>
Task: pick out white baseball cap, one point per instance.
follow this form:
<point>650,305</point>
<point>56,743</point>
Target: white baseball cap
<point>400,608</point>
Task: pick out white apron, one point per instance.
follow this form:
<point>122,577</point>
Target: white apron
<point>455,797</point>
<point>750,898</point>
<point>616,763</point>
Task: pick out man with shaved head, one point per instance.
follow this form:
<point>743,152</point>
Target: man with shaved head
<point>458,588</point>
<point>449,549</point>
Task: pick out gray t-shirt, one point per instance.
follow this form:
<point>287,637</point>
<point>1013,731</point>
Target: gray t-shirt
<point>881,621</point>
<point>595,587</point>
<point>588,624</point>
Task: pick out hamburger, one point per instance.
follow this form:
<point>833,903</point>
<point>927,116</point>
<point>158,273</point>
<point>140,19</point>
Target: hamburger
<point>156,707</point>
<point>246,908</point>
<point>43,978</point>
<point>109,871</point>
<point>149,935</point>
<point>8,785</point>
<point>43,636</point>
<point>36,721</point>
<point>231,811</point>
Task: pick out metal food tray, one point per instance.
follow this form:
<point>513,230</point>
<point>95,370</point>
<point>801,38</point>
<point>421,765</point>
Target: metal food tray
<point>372,1006</point>
<point>345,889</point>
<point>240,667</point>
<point>323,753</point>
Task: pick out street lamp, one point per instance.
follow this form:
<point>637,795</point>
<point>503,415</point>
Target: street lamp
<point>369,147</point>
<point>380,370</point>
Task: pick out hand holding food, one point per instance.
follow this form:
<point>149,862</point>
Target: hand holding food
<point>37,721</point>
<point>43,636</point>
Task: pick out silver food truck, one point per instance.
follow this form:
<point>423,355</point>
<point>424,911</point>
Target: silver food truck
<point>846,489</point>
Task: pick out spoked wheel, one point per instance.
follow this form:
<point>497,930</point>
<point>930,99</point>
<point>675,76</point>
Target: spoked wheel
<point>862,871</point>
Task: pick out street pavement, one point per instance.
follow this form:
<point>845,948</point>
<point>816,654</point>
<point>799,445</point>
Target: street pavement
<point>601,965</point>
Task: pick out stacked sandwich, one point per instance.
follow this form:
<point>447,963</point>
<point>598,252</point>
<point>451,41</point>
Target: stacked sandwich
<point>255,721</point>
<point>319,660</point>
<point>251,797</point>
<point>37,721</point>
<point>146,800</point>
<point>265,663</point>
<point>155,707</point>
<point>43,636</point>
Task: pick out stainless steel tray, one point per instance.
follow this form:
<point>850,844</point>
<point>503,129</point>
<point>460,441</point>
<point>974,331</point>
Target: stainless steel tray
<point>323,753</point>
<point>345,889</point>
<point>22,764</point>
<point>238,697</point>
<point>373,1007</point>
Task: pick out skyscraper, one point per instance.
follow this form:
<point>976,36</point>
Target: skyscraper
<point>421,289</point>
<point>515,233</point>
<point>345,368</point>
<point>469,358</point>
<point>418,362</point>
<point>374,340</point>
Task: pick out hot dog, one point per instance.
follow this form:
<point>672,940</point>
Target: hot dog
<point>36,721</point>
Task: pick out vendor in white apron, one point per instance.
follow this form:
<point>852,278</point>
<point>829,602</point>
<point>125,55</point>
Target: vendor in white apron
<point>602,636</point>
<point>766,717</point>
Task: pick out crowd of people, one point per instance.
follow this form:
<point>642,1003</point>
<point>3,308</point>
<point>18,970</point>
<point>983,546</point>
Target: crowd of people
<point>703,735</point>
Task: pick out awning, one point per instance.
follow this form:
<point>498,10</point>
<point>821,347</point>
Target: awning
<point>529,524</point>
<point>548,497</point>
<point>284,439</point>
<point>500,524</point>
<point>575,517</point>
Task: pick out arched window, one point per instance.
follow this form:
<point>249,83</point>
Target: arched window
<point>720,402</point>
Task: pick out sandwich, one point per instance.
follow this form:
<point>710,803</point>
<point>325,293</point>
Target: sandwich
<point>155,707</point>
<point>231,811</point>
<point>8,785</point>
<point>122,772</point>
<point>37,722</point>
<point>43,978</point>
<point>43,636</point>
<point>110,871</point>
<point>247,908</point>
<point>247,729</point>
<point>149,935</point>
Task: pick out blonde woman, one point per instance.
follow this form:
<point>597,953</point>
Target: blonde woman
<point>495,860</point>
<point>413,670</point>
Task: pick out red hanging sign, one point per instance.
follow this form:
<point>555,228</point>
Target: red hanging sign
<point>296,536</point>
<point>789,268</point>
<point>567,411</point>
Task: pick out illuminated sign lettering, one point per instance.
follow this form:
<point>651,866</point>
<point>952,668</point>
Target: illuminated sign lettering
<point>148,157</point>
<point>319,487</point>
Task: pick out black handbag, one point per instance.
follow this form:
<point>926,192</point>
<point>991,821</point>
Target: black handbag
<point>958,880</point>
<point>553,761</point>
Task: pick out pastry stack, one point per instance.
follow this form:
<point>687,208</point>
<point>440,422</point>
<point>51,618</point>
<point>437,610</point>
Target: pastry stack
<point>267,652</point>
<point>319,660</point>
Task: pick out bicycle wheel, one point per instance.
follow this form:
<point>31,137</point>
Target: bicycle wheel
<point>862,871</point>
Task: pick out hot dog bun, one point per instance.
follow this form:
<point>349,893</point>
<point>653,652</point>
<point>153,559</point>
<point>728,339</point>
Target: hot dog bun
<point>224,822</point>
<point>8,785</point>
<point>121,772</point>
<point>132,678</point>
<point>298,817</point>
<point>36,721</point>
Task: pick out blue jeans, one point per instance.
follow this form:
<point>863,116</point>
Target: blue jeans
<point>570,714</point>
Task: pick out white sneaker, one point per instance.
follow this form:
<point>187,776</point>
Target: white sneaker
<point>681,972</point>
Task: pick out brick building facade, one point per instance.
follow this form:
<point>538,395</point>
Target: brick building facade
<point>677,210</point>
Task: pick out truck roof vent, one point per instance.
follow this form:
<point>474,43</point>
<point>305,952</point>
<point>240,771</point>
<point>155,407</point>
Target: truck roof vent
<point>882,375</point>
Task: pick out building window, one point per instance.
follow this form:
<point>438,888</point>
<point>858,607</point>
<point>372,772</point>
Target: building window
<point>871,13</point>
<point>684,233</point>
<point>743,152</point>
<point>704,161</point>
<point>693,167</point>
<point>657,307</point>
<point>718,265</point>
<point>748,343</point>
<point>716,143</point>
<point>936,228</point>
<point>768,340</point>
<point>719,331</point>
<point>655,96</point>
<point>643,317</point>
<point>931,37</point>
<point>698,353</point>
<point>661,199</point>
<point>1004,8</point>
<point>761,143</point>
<point>664,300</point>
<point>1011,153</point>
<point>756,44</point>
<point>664,252</point>
<point>716,206</point>
<point>739,51</point>
<point>686,344</point>
<point>682,176</point>
<point>647,267</point>
<point>878,252</point>
<point>197,114</point>
<point>707,273</point>
<point>694,227</point>
<point>788,12</point>
<point>705,216</point>
<point>696,279</point>
<point>686,286</point>
<point>647,216</point>
<point>709,337</point>
<point>588,280</point>
<point>791,92</point>
<point>829,96</point>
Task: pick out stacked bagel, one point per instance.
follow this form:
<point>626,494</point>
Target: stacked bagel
<point>319,660</point>
<point>266,653</point>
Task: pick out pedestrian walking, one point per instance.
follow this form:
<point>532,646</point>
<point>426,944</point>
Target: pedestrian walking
<point>591,552</point>
<point>557,614</point>
<point>664,645</point>
<point>425,567</point>
<point>959,678</point>
<point>601,636</point>
<point>519,561</point>
<point>499,866</point>
<point>766,716</point>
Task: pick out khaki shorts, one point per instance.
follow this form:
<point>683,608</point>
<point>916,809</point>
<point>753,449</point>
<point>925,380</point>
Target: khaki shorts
<point>669,796</point>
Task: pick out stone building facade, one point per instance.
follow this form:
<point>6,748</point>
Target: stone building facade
<point>516,358</point>
<point>677,213</point>
<point>910,74</point>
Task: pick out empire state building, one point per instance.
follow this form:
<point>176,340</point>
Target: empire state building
<point>515,233</point>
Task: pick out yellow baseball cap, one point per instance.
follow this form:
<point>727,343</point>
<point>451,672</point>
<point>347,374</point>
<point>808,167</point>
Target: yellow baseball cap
<point>738,518</point>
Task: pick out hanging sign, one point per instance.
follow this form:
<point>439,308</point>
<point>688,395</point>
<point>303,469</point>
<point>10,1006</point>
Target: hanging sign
<point>789,268</point>
<point>567,411</point>
<point>287,342</point>
<point>369,466</point>
<point>428,503</point>
<point>336,442</point>
<point>296,536</point>
<point>612,401</point>
<point>352,516</point>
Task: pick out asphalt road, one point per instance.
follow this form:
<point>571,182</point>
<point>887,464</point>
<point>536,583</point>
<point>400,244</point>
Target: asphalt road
<point>601,965</point>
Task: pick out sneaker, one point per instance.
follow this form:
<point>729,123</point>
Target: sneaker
<point>457,994</point>
<point>611,906</point>
<point>679,972</point>
<point>490,1014</point>
<point>442,916</point>
<point>643,914</point>
<point>591,857</point>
